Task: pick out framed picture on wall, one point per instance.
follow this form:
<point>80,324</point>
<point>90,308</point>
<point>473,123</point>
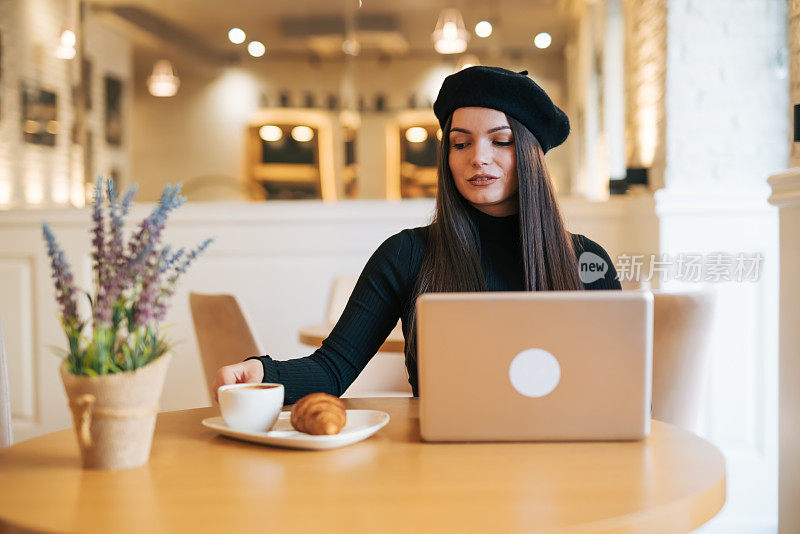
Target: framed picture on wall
<point>39,122</point>
<point>113,99</point>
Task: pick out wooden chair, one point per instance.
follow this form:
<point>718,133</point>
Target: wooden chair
<point>681,326</point>
<point>340,293</point>
<point>6,437</point>
<point>385,375</point>
<point>223,333</point>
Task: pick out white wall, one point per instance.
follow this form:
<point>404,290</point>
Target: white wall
<point>42,175</point>
<point>727,105</point>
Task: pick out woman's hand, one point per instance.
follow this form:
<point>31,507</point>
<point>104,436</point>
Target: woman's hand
<point>250,371</point>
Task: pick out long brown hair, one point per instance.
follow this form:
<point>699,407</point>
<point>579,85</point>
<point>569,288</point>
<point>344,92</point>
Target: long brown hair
<point>451,262</point>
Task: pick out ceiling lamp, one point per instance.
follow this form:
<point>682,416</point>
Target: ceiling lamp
<point>467,60</point>
<point>542,40</point>
<point>236,35</point>
<point>302,134</point>
<point>163,82</point>
<point>351,47</point>
<point>450,35</point>
<point>66,45</point>
<point>256,48</point>
<point>416,134</point>
<point>483,28</point>
<point>270,132</point>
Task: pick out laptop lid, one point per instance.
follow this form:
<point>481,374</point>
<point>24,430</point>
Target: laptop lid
<point>549,365</point>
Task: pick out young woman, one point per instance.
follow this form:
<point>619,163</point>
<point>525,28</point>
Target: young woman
<point>497,227</point>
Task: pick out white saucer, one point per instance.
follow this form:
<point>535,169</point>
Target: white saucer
<point>361,424</point>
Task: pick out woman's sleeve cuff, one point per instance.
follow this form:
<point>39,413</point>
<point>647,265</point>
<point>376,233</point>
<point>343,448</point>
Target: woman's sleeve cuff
<point>271,373</point>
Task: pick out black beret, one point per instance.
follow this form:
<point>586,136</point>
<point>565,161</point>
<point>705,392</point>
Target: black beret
<point>508,91</point>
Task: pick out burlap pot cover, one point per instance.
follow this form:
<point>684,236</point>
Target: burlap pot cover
<point>114,415</point>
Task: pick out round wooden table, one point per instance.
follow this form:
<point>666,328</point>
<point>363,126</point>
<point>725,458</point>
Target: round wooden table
<point>198,481</point>
<point>314,335</point>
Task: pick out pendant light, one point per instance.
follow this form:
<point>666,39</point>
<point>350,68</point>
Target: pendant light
<point>65,49</point>
<point>163,82</point>
<point>450,35</point>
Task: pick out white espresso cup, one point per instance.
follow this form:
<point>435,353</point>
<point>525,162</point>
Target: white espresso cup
<point>250,407</point>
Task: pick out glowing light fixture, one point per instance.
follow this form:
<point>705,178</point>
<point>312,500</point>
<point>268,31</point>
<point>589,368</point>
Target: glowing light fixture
<point>270,133</point>
<point>66,45</point>
<point>439,134</point>
<point>236,35</point>
<point>163,82</point>
<point>302,134</point>
<point>467,60</point>
<point>542,40</point>
<point>351,47</point>
<point>416,134</point>
<point>483,28</point>
<point>450,35</point>
<point>256,48</point>
<point>30,126</point>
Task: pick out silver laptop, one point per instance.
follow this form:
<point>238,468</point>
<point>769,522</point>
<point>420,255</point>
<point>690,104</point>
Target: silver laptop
<point>549,365</point>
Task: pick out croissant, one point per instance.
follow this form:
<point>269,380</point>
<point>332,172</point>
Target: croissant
<point>319,414</point>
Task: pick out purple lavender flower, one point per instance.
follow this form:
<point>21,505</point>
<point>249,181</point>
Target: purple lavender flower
<point>126,276</point>
<point>118,212</point>
<point>168,289</point>
<point>135,265</point>
<point>119,266</point>
<point>101,266</point>
<point>150,234</point>
<point>151,228</point>
<point>146,301</point>
<point>168,262</point>
<point>65,287</point>
<point>134,280</point>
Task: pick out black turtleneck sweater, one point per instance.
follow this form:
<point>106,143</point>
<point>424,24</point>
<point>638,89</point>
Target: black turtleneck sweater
<point>382,294</point>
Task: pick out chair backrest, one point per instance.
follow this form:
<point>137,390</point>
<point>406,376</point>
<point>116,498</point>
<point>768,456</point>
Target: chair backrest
<point>681,332</point>
<point>5,398</point>
<point>635,285</point>
<point>223,332</point>
<point>340,294</point>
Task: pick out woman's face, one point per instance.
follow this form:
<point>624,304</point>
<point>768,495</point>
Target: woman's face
<point>483,161</point>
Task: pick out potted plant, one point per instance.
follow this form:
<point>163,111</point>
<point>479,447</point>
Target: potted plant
<point>116,361</point>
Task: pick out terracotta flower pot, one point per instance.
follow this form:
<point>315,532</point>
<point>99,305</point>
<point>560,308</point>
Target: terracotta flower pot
<point>114,415</point>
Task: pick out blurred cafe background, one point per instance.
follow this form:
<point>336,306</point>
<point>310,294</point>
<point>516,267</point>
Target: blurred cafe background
<point>303,136</point>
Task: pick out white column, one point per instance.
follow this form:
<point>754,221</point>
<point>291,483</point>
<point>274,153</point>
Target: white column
<point>786,195</point>
<point>614,88</point>
<point>589,176</point>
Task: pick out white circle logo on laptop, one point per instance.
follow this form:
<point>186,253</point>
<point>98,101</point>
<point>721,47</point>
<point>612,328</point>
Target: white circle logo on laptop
<point>534,372</point>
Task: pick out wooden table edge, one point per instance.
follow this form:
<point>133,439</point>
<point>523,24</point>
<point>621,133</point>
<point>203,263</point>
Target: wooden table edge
<point>311,335</point>
<point>681,515</point>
